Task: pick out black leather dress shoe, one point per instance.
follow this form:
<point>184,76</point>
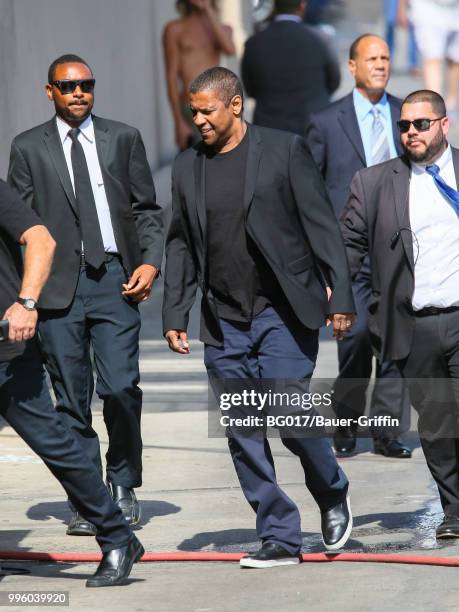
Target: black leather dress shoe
<point>79,526</point>
<point>391,448</point>
<point>116,565</point>
<point>344,440</point>
<point>269,555</point>
<point>448,528</point>
<point>337,525</point>
<point>127,501</point>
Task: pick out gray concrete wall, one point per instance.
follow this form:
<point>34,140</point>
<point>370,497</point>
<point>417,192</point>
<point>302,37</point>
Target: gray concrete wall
<point>122,43</point>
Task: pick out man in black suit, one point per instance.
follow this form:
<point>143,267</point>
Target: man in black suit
<point>89,180</point>
<point>290,69</point>
<point>360,130</point>
<point>404,215</point>
<point>252,227</point>
<point>24,397</point>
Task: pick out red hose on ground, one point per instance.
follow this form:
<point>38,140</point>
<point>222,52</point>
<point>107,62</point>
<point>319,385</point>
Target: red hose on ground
<point>217,556</point>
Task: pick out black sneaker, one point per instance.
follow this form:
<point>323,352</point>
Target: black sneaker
<point>269,555</point>
<point>337,525</point>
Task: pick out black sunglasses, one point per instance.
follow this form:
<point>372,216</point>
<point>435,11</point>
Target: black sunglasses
<point>421,125</point>
<point>67,87</point>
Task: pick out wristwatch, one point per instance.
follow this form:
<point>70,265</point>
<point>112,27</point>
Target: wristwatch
<point>28,303</point>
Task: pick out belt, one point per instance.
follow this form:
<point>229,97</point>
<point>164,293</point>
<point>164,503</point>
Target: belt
<point>433,310</point>
<point>108,257</point>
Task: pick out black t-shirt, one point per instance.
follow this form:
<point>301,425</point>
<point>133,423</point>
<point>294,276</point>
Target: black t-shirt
<point>15,218</point>
<point>238,276</point>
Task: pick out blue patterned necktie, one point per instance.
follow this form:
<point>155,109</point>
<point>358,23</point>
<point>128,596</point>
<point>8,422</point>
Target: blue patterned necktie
<point>379,144</point>
<point>446,190</point>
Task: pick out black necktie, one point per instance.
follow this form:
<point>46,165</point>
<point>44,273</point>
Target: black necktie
<point>93,245</point>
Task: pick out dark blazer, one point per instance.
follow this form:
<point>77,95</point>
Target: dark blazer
<point>376,221</point>
<point>337,148</point>
<point>291,71</point>
<point>38,171</point>
<point>288,216</point>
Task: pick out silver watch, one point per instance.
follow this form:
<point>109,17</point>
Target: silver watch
<point>28,303</point>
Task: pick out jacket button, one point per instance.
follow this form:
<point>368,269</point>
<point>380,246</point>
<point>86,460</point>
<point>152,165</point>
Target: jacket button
<point>77,252</point>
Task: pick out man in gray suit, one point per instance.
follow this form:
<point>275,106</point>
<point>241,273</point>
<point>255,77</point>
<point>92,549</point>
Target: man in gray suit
<point>403,213</point>
<point>89,180</point>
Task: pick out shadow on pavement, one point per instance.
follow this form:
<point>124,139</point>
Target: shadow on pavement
<point>60,510</point>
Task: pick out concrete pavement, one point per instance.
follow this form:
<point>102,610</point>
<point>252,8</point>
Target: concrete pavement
<point>191,500</point>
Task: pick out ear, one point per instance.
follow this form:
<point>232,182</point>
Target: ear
<point>49,91</point>
<point>351,66</point>
<point>444,125</point>
<point>236,105</point>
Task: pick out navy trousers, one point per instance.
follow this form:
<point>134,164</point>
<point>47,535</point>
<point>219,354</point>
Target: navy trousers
<point>26,405</point>
<point>275,345</point>
<point>101,318</point>
<point>355,357</point>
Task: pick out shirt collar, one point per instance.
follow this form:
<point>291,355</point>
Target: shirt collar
<point>288,17</point>
<point>86,128</point>
<point>363,106</point>
<point>445,158</point>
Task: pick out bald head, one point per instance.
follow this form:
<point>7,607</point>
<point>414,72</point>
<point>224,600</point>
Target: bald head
<point>369,64</point>
<point>365,39</point>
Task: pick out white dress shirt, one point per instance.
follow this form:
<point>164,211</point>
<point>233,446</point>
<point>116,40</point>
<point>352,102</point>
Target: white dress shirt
<point>88,141</point>
<point>435,224</point>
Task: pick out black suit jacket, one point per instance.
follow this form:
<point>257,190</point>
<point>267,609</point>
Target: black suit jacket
<point>376,221</point>
<point>291,71</point>
<point>38,171</point>
<point>337,148</point>
<point>288,216</point>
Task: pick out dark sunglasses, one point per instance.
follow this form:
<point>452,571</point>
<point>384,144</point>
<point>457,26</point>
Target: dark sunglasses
<point>421,125</point>
<point>67,87</point>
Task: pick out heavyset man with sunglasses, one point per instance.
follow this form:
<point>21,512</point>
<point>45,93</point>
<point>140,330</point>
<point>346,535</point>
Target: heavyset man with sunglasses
<point>89,180</point>
<point>404,214</point>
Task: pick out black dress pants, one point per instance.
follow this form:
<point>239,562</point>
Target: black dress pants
<point>26,405</point>
<point>101,318</point>
<point>432,373</point>
<point>355,356</point>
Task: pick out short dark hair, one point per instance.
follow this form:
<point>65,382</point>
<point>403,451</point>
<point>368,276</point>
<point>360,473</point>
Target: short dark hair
<point>219,79</point>
<point>286,6</point>
<point>426,95</point>
<point>68,58</point>
<point>355,44</point>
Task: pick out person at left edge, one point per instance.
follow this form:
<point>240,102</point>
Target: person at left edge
<point>89,180</point>
<point>252,226</point>
<point>25,402</point>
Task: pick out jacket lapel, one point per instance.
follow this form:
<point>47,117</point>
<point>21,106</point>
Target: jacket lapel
<point>348,120</point>
<point>401,185</point>
<point>102,136</point>
<point>54,145</point>
<point>253,163</point>
<point>200,191</point>
<point>455,153</point>
<point>395,115</point>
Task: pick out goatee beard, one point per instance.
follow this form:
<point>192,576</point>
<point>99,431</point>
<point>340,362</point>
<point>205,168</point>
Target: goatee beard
<point>432,151</point>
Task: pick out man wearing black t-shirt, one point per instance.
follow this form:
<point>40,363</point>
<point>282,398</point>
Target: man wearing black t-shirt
<point>25,402</point>
<point>252,226</point>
